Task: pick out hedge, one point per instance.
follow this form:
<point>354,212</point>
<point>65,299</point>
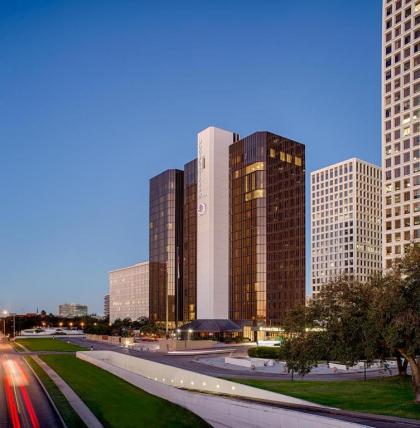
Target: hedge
<point>275,353</point>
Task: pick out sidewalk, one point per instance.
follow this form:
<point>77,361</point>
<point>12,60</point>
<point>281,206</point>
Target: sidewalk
<point>74,400</point>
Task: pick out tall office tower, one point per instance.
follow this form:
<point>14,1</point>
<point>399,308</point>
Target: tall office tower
<point>129,292</point>
<point>189,279</point>
<point>165,247</point>
<point>346,222</point>
<point>400,126</point>
<point>213,222</point>
<point>267,228</point>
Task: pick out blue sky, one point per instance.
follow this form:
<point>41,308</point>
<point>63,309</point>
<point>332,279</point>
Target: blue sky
<point>96,97</point>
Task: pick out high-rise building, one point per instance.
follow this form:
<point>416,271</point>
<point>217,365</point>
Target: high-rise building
<point>400,126</point>
<point>106,305</point>
<point>190,242</point>
<point>267,228</point>
<point>346,222</point>
<point>213,222</point>
<point>165,247</point>
<point>129,292</point>
<point>72,310</point>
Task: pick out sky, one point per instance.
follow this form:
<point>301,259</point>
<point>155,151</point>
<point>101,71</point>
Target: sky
<point>97,97</point>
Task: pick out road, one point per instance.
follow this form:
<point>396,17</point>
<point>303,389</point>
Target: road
<point>23,403</point>
<point>191,362</point>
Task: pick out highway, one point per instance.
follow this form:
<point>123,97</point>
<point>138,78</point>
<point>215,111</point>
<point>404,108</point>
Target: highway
<point>23,403</point>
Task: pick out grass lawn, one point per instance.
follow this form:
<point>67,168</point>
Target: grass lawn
<point>71,418</point>
<point>49,344</point>
<point>115,402</point>
<point>388,396</point>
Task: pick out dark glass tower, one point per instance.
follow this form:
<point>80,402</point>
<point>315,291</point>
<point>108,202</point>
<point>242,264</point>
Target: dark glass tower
<point>165,247</point>
<point>267,228</point>
<point>190,242</point>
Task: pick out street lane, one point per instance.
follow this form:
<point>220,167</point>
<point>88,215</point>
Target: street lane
<point>23,402</point>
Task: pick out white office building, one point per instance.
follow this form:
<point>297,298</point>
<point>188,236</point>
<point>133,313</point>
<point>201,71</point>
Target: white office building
<point>129,292</point>
<point>400,126</point>
<point>213,223</point>
<point>346,218</point>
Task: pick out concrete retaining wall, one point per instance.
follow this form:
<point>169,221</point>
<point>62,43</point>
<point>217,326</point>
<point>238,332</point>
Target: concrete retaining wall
<point>167,345</point>
<point>165,382</point>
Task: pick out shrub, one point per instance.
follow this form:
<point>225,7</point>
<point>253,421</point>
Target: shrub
<point>274,353</point>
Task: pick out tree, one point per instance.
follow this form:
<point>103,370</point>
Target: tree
<point>396,309</point>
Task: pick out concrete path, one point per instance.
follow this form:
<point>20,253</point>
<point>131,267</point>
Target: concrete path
<point>74,400</point>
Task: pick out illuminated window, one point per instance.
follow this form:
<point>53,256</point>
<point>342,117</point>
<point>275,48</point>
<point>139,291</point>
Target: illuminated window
<point>289,158</point>
<point>298,161</point>
<point>272,153</point>
<point>282,156</point>
<point>256,194</point>
<point>254,167</point>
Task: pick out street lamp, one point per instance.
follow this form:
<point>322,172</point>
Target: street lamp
<point>189,332</point>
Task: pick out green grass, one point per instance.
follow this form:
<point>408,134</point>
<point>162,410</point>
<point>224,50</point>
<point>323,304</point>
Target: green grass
<point>115,402</point>
<point>71,418</point>
<point>49,344</point>
<point>388,396</point>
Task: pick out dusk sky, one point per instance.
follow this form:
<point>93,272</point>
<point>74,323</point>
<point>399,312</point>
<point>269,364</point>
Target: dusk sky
<point>96,97</point>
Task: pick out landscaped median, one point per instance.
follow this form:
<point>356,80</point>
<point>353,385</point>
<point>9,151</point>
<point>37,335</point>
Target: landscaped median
<point>115,402</point>
<point>48,344</point>
<point>391,396</point>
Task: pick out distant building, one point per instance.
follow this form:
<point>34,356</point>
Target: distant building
<point>106,306</point>
<point>129,292</point>
<point>72,310</point>
<point>346,222</point>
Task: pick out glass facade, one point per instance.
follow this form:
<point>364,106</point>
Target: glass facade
<point>267,228</point>
<point>165,247</point>
<point>190,242</point>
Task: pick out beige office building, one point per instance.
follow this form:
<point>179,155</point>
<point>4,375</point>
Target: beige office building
<point>400,126</point>
<point>346,217</point>
<point>129,292</point>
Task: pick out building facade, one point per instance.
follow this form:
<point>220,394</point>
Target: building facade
<point>189,279</point>
<point>106,306</point>
<point>346,222</point>
<point>400,126</point>
<point>129,292</point>
<point>267,228</point>
<point>213,222</point>
<point>165,247</point>
<point>72,310</point>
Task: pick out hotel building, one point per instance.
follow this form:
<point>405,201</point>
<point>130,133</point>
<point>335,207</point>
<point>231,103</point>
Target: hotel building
<point>400,126</point>
<point>266,228</point>
<point>213,223</point>
<point>346,219</point>
<point>129,292</point>
<point>166,201</point>
<point>189,279</point>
